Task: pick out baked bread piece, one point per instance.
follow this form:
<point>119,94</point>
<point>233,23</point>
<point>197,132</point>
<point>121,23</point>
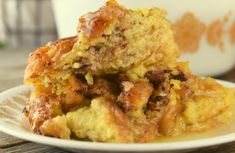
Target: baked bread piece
<point>115,39</point>
<point>119,81</point>
<point>103,120</point>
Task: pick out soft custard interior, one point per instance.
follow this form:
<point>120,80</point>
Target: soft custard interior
<point>119,81</point>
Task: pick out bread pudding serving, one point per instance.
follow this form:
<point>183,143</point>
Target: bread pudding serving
<point>119,81</point>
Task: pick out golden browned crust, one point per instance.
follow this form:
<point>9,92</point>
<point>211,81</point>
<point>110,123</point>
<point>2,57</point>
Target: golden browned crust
<point>40,108</point>
<point>56,127</point>
<point>45,58</point>
<point>93,24</point>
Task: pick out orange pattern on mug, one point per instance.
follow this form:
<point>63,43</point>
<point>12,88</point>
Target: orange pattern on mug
<point>214,34</point>
<point>188,32</point>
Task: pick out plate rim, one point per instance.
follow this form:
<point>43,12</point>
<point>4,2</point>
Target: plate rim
<point>99,146</point>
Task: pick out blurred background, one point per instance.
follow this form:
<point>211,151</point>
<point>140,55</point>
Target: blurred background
<point>205,35</point>
<point>24,26</point>
<point>26,22</point>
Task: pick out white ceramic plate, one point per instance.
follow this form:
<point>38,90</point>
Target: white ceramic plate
<point>12,103</point>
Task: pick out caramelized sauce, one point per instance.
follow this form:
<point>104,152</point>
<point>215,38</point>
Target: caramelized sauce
<point>93,24</point>
<point>60,47</point>
<point>187,136</point>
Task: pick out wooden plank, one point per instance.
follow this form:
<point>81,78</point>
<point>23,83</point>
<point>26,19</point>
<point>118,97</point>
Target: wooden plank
<point>8,141</point>
<point>230,76</point>
<point>225,148</point>
<point>12,70</point>
<point>32,148</point>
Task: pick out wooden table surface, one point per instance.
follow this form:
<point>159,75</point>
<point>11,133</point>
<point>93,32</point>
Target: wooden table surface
<point>12,66</point>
